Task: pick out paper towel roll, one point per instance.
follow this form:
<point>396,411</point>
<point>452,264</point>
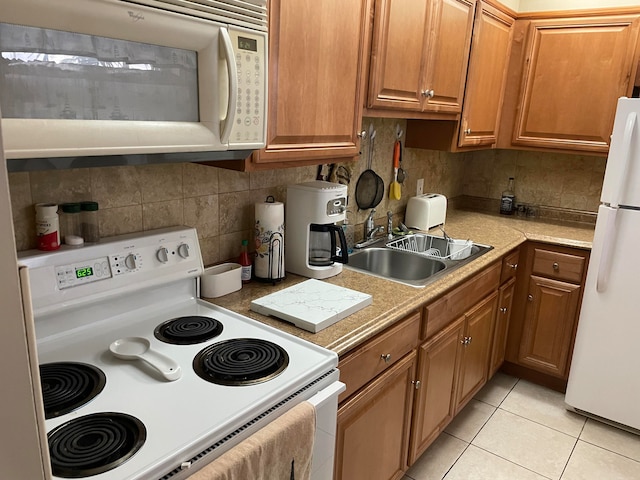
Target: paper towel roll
<point>269,261</point>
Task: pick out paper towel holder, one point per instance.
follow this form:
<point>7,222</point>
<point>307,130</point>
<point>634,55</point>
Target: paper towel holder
<point>275,253</point>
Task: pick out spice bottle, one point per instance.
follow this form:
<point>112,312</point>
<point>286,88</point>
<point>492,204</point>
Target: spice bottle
<point>70,224</point>
<point>47,226</point>
<point>89,220</point>
<point>508,199</point>
<point>245,262</point>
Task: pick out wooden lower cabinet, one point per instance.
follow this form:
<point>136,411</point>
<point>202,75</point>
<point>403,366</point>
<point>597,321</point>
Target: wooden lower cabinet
<point>546,306</point>
<point>548,327</point>
<point>475,349</point>
<point>438,361</point>
<point>373,426</point>
<point>501,327</point>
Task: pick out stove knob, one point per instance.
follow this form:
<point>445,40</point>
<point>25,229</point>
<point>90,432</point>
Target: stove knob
<point>183,250</point>
<point>162,255</point>
<point>130,261</point>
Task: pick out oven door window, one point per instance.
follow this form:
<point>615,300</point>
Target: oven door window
<point>51,74</point>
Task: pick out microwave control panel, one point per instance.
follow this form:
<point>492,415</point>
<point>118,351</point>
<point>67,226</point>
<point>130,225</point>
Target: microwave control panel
<point>249,128</point>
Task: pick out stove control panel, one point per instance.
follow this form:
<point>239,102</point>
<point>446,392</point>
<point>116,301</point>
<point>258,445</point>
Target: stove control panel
<point>80,273</point>
<point>113,266</point>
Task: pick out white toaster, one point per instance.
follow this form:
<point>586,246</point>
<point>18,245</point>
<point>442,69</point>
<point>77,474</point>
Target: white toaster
<point>426,211</point>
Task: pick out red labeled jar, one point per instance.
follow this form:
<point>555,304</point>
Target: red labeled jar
<point>47,226</point>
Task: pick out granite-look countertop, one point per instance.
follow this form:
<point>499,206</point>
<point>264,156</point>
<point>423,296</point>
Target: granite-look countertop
<point>392,301</point>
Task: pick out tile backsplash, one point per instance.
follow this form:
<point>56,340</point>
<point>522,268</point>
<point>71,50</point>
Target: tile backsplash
<point>219,203</point>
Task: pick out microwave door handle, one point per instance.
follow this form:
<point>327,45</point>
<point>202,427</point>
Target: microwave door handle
<point>233,86</point>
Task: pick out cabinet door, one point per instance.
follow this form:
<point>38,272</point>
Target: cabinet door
<point>548,327</point>
<point>373,426</point>
<point>397,52</point>
<point>450,27</point>
<point>476,349</point>
<point>501,327</point>
<point>316,52</point>
<point>486,78</point>
<point>437,365</point>
<point>574,70</point>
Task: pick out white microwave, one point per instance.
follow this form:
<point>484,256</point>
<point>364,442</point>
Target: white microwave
<point>114,77</point>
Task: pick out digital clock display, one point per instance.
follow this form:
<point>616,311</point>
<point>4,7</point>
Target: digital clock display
<point>84,272</point>
<point>248,44</point>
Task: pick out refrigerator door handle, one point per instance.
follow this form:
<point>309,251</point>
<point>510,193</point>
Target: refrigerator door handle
<point>604,265</point>
<point>627,140</point>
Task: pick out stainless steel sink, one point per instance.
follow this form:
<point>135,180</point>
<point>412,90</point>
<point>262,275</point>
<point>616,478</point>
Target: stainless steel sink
<point>412,266</point>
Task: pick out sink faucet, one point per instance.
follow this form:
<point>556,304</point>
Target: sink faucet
<point>369,227</point>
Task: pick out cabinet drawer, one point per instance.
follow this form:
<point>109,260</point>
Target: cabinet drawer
<point>360,366</point>
<point>560,266</point>
<point>509,266</point>
<point>443,311</point>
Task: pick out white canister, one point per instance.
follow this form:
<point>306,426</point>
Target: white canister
<point>47,226</point>
<point>269,259</point>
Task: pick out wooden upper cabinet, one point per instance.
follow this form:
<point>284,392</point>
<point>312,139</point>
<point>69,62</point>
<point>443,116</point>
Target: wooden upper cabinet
<point>419,55</point>
<point>316,58</point>
<point>448,54</point>
<point>486,78</point>
<point>573,72</point>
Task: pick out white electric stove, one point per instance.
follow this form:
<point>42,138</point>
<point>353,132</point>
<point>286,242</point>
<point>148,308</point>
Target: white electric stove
<point>230,375</point>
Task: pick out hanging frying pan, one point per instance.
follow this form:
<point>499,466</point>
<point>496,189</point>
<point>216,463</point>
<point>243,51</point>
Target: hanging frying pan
<point>370,187</point>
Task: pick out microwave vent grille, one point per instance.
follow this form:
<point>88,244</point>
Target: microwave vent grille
<point>248,13</point>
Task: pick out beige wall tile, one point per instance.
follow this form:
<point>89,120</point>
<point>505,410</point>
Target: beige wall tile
<point>23,211</point>
<point>162,214</point>
<point>60,186</point>
<point>237,211</point>
<point>115,187</point>
<point>210,248</point>
<point>117,221</point>
<point>203,214</point>
<point>200,180</point>
<point>160,182</point>
<point>232,181</point>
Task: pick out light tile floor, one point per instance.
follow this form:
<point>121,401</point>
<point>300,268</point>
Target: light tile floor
<point>516,430</point>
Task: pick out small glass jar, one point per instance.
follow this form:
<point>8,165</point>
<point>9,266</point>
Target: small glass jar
<point>70,226</point>
<point>89,220</point>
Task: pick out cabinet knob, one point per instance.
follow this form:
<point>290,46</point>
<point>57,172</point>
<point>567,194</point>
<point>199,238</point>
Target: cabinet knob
<point>467,131</point>
<point>386,357</point>
<point>503,309</point>
<point>416,383</point>
<point>428,93</point>
<point>556,266</point>
<point>530,297</point>
<point>513,266</point>
<point>466,340</point>
<point>362,134</point>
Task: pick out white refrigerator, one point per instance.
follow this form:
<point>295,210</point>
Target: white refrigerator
<point>604,380</point>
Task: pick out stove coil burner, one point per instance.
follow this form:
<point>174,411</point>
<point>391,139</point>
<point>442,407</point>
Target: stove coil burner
<point>240,361</point>
<point>94,444</point>
<point>69,385</point>
<point>188,330</point>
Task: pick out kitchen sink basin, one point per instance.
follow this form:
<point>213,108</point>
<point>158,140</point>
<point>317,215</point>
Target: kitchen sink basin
<point>413,259</point>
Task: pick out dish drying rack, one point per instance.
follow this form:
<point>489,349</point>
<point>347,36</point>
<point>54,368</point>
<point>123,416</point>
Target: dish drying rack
<point>430,246</point>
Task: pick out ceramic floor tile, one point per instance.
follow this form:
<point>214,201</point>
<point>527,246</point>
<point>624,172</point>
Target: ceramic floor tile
<point>479,464</point>
<point>496,389</point>
<point>612,438</point>
<point>544,406</point>
<point>589,462</point>
<point>436,461</point>
<point>526,443</point>
<point>470,420</point>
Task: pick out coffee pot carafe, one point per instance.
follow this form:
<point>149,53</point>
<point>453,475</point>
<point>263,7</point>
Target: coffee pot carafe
<point>324,249</point>
<point>315,246</point>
